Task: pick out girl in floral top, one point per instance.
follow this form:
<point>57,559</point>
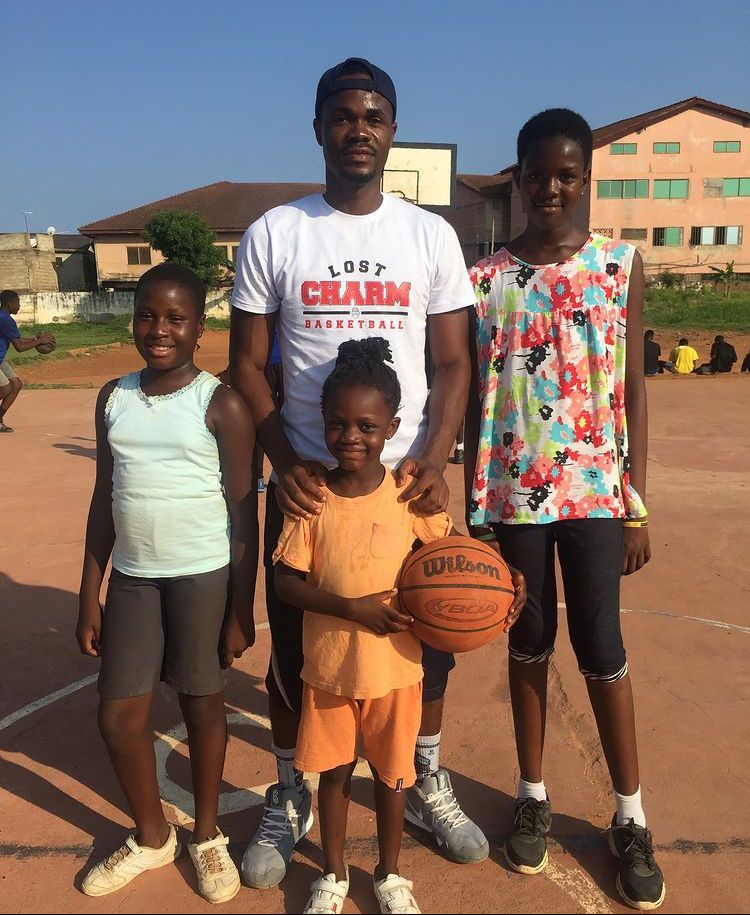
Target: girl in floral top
<point>556,457</point>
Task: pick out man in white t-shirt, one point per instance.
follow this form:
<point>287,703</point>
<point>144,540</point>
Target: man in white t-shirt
<point>350,263</point>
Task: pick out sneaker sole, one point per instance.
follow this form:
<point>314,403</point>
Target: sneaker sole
<point>643,905</point>
<point>526,868</point>
<point>417,821</point>
<point>257,885</point>
<point>95,891</point>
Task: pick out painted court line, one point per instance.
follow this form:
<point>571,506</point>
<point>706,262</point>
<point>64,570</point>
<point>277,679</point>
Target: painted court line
<point>61,694</point>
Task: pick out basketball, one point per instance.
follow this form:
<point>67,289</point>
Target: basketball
<point>459,592</point>
<point>45,348</point>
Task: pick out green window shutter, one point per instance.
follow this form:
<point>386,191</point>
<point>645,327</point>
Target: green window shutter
<point>602,190</point>
<point>641,188</point>
<point>731,187</point>
<point>744,187</point>
<point>733,145</point>
<point>661,189</point>
<point>673,236</point>
<point>628,189</point>
<point>679,188</point>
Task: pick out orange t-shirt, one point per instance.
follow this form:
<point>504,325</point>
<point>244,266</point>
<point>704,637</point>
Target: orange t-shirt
<point>352,548</point>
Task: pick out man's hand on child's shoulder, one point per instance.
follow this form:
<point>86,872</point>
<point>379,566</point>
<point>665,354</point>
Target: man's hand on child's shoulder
<point>427,490</point>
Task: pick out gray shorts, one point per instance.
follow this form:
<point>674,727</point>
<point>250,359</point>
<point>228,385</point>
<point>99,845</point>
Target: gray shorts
<point>6,373</point>
<point>163,628</point>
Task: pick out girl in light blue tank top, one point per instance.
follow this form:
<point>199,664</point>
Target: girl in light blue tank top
<point>175,509</point>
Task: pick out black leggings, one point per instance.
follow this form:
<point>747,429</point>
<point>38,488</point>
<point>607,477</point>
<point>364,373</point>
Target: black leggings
<point>590,553</point>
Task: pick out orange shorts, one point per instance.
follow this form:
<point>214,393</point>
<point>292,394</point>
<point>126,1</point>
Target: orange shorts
<point>332,728</point>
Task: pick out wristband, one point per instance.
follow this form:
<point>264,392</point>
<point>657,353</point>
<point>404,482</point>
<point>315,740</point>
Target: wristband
<point>634,523</point>
<point>486,537</point>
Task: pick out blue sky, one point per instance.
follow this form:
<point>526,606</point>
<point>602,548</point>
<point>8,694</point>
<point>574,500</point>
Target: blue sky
<point>108,105</point>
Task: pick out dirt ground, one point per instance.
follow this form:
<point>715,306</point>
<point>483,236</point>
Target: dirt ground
<point>99,365</point>
<point>686,622</point>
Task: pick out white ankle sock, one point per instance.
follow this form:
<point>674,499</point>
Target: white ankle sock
<point>288,776</point>
<point>536,790</point>
<point>427,755</point>
<point>629,808</point>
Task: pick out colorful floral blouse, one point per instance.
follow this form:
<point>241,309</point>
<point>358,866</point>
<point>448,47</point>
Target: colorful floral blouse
<point>553,439</point>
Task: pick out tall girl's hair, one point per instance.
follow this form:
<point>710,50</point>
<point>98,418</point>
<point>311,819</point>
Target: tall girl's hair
<point>555,122</point>
<point>363,362</point>
<point>177,275</point>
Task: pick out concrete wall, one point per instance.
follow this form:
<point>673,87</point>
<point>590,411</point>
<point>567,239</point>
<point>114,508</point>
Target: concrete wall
<point>27,262</point>
<point>64,307</point>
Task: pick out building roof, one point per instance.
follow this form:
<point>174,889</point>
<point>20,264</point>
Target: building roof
<point>71,242</point>
<point>489,185</point>
<point>612,132</point>
<point>227,206</point>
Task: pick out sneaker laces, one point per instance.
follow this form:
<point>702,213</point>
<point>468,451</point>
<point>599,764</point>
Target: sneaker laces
<point>640,847</point>
<point>212,861</point>
<point>274,826</point>
<point>444,807</point>
<point>527,818</point>
<point>117,856</point>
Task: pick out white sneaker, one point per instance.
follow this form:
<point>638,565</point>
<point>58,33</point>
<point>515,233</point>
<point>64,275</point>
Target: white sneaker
<point>125,864</point>
<point>394,894</point>
<point>218,877</point>
<point>327,895</point>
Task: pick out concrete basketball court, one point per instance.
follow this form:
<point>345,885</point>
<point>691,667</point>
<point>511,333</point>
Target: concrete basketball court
<point>687,630</point>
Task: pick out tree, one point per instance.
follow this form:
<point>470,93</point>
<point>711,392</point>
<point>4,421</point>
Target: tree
<point>185,238</point>
<point>725,275</point>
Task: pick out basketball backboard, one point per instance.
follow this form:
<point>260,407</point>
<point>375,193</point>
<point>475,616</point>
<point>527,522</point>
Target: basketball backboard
<point>422,173</point>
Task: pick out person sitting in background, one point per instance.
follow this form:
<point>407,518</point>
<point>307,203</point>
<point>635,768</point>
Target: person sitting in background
<point>684,357</point>
<point>746,363</point>
<point>723,355</point>
<point>653,364</point>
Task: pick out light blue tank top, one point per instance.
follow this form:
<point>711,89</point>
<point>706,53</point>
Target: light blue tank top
<point>168,505</point>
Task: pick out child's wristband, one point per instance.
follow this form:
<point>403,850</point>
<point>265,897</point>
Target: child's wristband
<point>485,536</point>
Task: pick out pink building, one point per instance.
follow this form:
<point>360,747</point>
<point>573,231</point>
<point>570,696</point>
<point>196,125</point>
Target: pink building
<point>674,181</point>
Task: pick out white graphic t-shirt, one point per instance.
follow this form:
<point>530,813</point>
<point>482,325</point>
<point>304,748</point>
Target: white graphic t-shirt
<point>334,277</point>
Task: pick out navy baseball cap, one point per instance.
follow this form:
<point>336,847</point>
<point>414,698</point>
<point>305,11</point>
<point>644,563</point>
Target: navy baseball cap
<point>332,82</point>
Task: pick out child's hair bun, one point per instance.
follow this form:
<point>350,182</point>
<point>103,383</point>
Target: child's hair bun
<point>371,350</point>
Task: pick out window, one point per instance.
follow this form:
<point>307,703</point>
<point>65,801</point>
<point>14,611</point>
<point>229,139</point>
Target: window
<point>736,187</point>
<point>623,149</point>
<point>235,252</point>
<point>662,148</point>
<point>716,235</point>
<point>58,262</point>
<point>722,146</point>
<point>670,188</point>
<point>223,249</point>
<point>139,255</point>
<point>625,190</point>
<point>670,237</point>
<point>634,234</point>
<point>606,232</point>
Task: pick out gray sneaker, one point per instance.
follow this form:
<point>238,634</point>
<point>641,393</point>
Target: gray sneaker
<point>287,817</point>
<point>433,806</point>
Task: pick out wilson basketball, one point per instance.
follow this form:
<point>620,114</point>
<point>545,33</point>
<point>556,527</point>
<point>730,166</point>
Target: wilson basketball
<point>459,592</point>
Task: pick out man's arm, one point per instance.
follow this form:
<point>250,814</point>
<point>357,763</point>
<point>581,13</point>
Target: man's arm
<point>448,338</point>
<point>21,344</point>
<point>299,493</point>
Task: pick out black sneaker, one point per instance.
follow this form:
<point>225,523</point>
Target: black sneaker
<point>640,881</point>
<point>526,847</point>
